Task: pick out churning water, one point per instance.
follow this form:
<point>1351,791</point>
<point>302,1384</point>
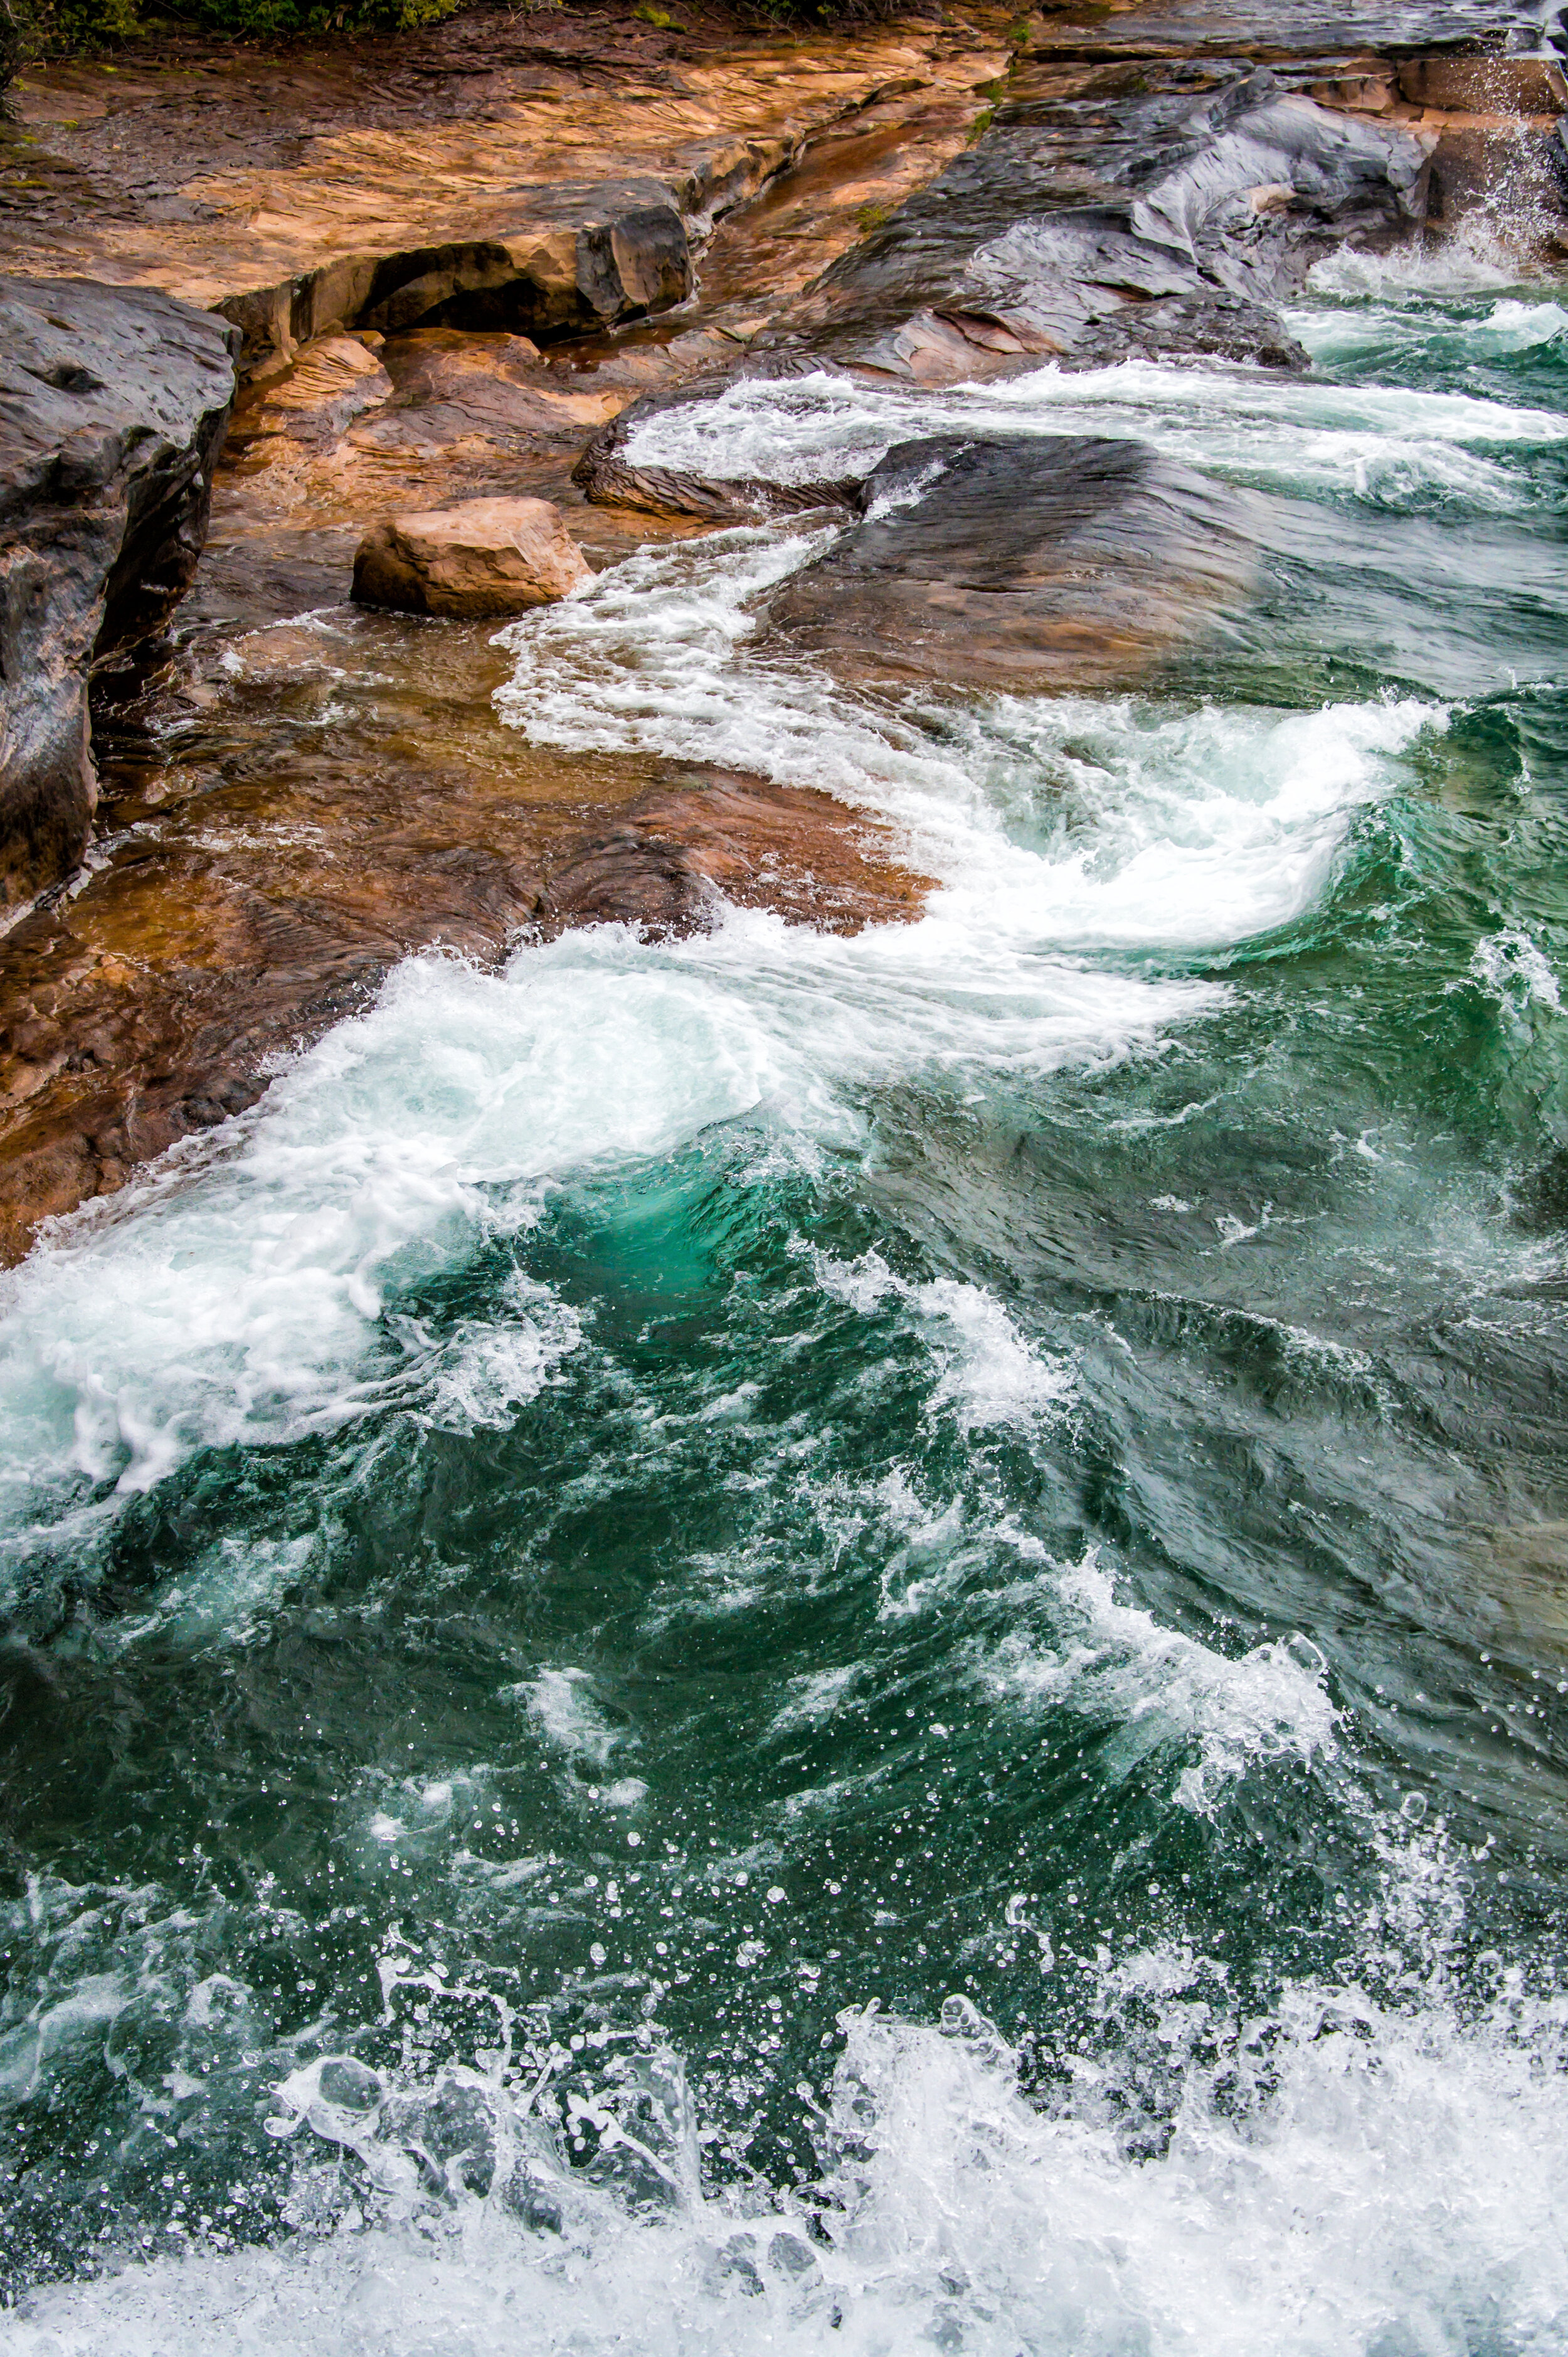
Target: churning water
<point>796,1643</point>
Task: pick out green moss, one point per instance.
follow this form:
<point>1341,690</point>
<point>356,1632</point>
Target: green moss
<point>74,28</point>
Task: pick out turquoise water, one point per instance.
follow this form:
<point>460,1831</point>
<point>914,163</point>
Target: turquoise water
<point>787,1643</point>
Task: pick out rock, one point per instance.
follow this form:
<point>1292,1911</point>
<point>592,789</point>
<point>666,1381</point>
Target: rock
<point>1210,327</point>
<point>668,865</point>
<point>483,557</point>
<point>317,396</point>
<point>1262,184</point>
<point>1511,172</point>
<point>1047,562</point>
<point>1195,216</point>
<point>1486,85</point>
<point>484,173</point>
<point>113,406</point>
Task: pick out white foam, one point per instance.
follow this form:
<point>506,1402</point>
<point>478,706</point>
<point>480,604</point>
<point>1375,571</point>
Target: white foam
<point>487,1369</point>
<point>1469,264</point>
<point>255,1288</point>
<point>246,1298</point>
<point>1114,1661</point>
<point>1516,971</point>
<point>1342,2178</point>
<point>1172,827</point>
<point>562,1704</point>
<point>1292,432</point>
<point>990,1375</point>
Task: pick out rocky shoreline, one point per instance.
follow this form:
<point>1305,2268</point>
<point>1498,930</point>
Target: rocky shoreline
<point>489,264</point>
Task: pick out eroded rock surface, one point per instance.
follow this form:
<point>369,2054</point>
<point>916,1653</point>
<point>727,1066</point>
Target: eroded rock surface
<point>1035,562</point>
<point>483,557</point>
<point>1183,241</point>
<point>112,406</point>
<point>536,176</point>
<point>714,836</point>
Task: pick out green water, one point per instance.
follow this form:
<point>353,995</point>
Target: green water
<point>685,1491</point>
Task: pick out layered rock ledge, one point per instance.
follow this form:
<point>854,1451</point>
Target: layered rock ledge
<point>112,406</point>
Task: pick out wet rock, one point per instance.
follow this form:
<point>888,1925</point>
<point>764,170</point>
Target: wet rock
<point>1047,562</point>
<point>151,1006</point>
<point>483,557</point>
<point>316,397</point>
<point>672,860</point>
<point>1196,195</point>
<point>1512,172</point>
<point>1484,84</point>
<point>1207,327</point>
<point>473,176</point>
<point>1263,182</point>
<point>112,406</point>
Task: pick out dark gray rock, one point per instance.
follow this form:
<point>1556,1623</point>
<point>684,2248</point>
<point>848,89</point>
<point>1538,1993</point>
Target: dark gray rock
<point>606,477</point>
<point>1194,326</point>
<point>112,406</point>
<point>1035,562</point>
<point>1261,185</point>
<point>1202,210</point>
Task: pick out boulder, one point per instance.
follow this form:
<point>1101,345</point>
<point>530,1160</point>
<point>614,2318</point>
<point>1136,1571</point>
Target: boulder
<point>481,559</point>
<point>112,406</point>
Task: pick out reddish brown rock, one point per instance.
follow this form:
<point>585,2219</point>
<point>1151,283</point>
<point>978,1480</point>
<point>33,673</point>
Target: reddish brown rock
<point>484,558</point>
<point>671,861</point>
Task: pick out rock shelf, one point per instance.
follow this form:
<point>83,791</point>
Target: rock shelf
<point>465,266</point>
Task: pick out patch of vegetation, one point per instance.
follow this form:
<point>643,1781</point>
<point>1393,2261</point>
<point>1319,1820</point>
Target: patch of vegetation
<point>837,12</point>
<point>43,28</point>
<point>31,28</point>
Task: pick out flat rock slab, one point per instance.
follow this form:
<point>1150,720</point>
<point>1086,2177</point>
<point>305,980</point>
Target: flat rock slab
<point>1038,562</point>
<point>149,1007</point>
<point>669,864</point>
<point>535,185</point>
<point>112,406</point>
<point>482,557</point>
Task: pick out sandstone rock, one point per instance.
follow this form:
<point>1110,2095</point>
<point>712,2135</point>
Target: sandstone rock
<point>1486,85</point>
<point>714,832</point>
<point>560,202</point>
<point>112,406</point>
<point>484,558</point>
<point>1512,172</point>
<point>319,393</point>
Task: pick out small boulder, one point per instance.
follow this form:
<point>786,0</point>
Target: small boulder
<point>482,558</point>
